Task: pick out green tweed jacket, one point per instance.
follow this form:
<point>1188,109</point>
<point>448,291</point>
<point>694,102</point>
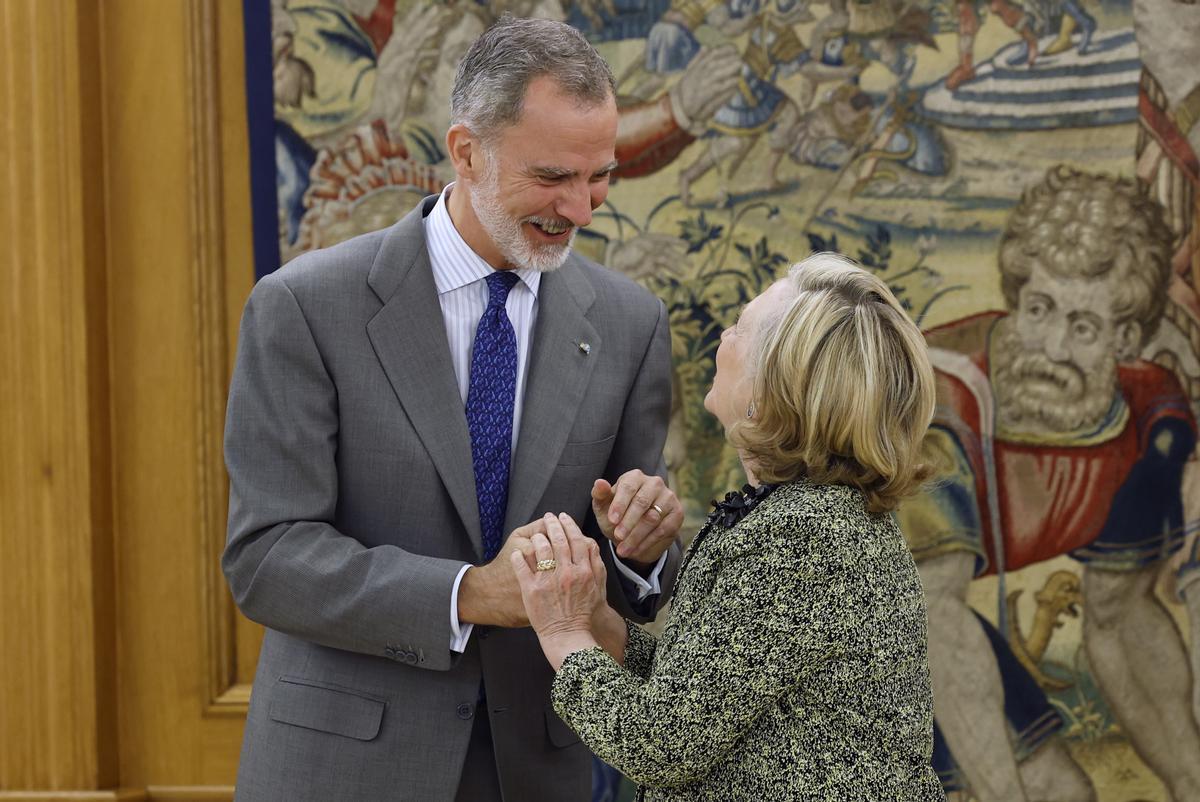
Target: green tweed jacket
<point>792,665</point>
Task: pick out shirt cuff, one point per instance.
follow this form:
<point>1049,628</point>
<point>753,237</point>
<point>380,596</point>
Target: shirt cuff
<point>459,632</point>
<point>647,586</point>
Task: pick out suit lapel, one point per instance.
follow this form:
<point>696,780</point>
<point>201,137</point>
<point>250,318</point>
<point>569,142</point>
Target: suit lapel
<point>409,338</point>
<point>559,370</point>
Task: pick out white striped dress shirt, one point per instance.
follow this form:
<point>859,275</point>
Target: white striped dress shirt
<point>460,276</point>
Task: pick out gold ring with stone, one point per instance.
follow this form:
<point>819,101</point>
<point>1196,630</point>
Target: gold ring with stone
<point>547,565</point>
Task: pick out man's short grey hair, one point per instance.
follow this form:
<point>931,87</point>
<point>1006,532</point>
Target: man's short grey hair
<point>489,88</point>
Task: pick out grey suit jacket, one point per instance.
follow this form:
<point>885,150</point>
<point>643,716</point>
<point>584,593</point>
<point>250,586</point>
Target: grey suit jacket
<point>352,509</point>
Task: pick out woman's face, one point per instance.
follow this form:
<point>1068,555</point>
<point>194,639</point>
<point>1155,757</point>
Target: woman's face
<point>729,397</point>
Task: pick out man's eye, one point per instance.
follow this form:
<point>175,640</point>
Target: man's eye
<point>1084,333</point>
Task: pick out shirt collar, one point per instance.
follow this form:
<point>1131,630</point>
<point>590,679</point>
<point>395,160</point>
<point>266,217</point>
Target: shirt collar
<point>454,264</point>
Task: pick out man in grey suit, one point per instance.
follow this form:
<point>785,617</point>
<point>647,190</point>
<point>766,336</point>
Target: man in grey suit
<point>402,401</point>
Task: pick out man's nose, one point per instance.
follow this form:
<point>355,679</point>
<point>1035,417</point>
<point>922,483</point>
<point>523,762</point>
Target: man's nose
<point>575,204</point>
<point>1057,344</point>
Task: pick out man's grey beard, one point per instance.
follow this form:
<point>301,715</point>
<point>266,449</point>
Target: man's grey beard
<point>505,230</point>
<point>1032,388</point>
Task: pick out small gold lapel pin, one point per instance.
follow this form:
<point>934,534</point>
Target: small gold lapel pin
<point>585,347</point>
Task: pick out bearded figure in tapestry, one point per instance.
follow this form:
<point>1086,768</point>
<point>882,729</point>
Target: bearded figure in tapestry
<point>1054,437</point>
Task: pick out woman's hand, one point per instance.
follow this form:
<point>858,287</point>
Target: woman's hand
<point>560,601</point>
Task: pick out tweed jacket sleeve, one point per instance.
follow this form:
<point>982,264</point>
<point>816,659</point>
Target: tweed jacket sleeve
<point>758,629</point>
<point>639,651</point>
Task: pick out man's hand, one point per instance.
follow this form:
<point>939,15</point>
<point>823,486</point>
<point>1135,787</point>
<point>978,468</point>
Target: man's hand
<point>489,594</point>
<point>640,515</point>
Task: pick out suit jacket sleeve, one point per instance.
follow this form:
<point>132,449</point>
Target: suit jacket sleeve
<point>639,444</point>
<point>758,632</point>
<point>289,568</point>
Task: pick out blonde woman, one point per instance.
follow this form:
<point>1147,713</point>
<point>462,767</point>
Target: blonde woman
<point>793,662</point>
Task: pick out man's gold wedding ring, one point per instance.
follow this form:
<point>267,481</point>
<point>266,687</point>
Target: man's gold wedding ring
<point>547,565</point>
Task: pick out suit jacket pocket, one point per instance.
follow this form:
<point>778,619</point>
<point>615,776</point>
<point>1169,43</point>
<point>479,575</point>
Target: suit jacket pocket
<point>329,708</point>
<point>558,732</point>
<point>590,453</point>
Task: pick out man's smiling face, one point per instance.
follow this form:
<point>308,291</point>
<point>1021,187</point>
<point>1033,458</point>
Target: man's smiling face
<point>542,177</point>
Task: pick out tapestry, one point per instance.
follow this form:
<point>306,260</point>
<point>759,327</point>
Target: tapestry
<point>1024,176</point>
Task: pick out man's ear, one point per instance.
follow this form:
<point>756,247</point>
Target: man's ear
<point>465,151</point>
<point>1129,341</point>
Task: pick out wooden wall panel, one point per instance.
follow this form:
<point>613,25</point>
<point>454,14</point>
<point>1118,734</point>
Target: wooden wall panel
<point>183,699</point>
<point>238,272</point>
<point>57,705</point>
<point>127,229</point>
<point>149,228</point>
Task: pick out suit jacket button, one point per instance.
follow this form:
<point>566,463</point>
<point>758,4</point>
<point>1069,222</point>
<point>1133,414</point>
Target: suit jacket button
<point>464,711</point>
<point>410,658</point>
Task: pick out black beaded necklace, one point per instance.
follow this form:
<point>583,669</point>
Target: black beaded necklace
<point>737,506</point>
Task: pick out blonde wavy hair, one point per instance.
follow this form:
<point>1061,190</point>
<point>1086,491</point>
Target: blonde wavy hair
<point>843,391</point>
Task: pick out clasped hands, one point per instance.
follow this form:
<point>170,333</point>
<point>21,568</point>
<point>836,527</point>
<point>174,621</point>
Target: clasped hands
<point>639,515</point>
<point>562,581</point>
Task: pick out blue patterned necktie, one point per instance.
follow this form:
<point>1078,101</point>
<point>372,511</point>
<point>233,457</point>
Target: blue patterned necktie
<point>490,399</point>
